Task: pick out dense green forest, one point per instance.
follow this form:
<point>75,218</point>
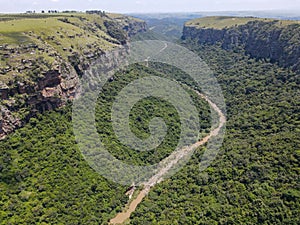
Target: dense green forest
<point>255,179</point>
<point>44,178</point>
<point>143,112</point>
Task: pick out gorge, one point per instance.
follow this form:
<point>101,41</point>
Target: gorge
<point>44,179</point>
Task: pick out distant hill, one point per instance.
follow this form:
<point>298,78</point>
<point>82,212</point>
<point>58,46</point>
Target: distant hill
<point>170,25</point>
<point>165,26</point>
<point>220,22</point>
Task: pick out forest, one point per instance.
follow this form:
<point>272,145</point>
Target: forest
<point>255,178</point>
<point>49,185</point>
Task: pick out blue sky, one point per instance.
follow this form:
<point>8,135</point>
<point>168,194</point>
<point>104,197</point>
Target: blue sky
<point>125,6</point>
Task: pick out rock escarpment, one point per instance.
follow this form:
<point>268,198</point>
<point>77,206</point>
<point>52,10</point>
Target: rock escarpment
<point>276,40</point>
<point>43,72</point>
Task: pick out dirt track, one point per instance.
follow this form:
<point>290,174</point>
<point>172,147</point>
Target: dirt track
<point>175,156</point>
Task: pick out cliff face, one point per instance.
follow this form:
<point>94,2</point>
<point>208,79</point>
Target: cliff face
<point>135,27</point>
<point>261,39</point>
<point>22,97</point>
<point>43,73</point>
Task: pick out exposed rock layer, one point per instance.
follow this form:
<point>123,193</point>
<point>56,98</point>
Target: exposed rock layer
<point>53,85</point>
<point>261,39</point>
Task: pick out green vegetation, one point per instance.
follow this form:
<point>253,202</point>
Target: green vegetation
<point>45,180</point>
<point>43,55</point>
<point>142,113</point>
<point>276,40</point>
<point>115,31</point>
<point>55,38</point>
<point>255,179</point>
<point>220,22</point>
<point>47,25</point>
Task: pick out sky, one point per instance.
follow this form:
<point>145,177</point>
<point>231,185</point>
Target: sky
<point>142,6</point>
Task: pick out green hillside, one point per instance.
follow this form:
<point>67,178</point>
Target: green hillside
<point>49,36</point>
<point>42,57</point>
<point>255,178</point>
<point>43,176</point>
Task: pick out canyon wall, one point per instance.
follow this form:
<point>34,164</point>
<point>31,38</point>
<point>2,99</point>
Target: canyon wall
<point>44,74</point>
<point>269,39</point>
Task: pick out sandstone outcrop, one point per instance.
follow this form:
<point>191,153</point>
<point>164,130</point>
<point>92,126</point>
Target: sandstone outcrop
<point>278,41</point>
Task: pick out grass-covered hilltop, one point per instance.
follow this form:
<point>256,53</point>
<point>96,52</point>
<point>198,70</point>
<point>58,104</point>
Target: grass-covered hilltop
<point>42,57</point>
<point>220,22</point>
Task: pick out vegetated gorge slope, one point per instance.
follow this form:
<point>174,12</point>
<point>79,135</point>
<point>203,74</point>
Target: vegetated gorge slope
<point>44,55</point>
<point>43,177</point>
<point>276,40</point>
<point>255,178</point>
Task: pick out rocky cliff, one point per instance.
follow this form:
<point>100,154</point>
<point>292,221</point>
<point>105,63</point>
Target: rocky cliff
<point>276,40</point>
<point>40,67</point>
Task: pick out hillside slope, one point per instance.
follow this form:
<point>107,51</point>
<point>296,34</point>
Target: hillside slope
<point>255,178</point>
<point>277,40</point>
<point>42,57</point>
